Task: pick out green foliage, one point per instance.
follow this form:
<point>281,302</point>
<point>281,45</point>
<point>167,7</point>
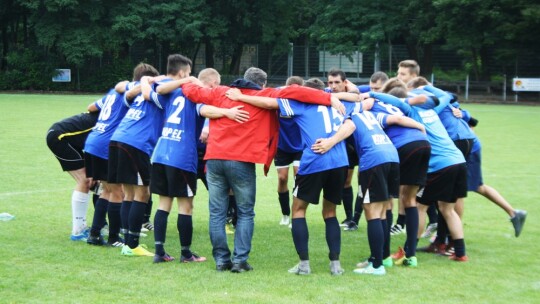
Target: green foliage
<point>487,33</point>
<point>26,70</point>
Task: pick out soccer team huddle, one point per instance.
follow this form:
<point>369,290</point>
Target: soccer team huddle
<point>159,134</point>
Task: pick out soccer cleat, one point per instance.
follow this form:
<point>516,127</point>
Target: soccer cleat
<point>137,251</point>
<point>400,253</point>
<point>301,268</point>
<point>518,220</point>
<point>163,258</point>
<point>285,220</point>
<point>434,248</point>
<point>345,223</point>
<point>410,262</point>
<point>148,226</point>
<point>351,226</point>
<point>115,242</point>
<point>430,230</point>
<point>369,269</point>
<point>396,230</point>
<point>81,237</point>
<point>450,250</point>
<point>335,268</point>
<point>241,267</point>
<point>363,264</point>
<point>194,258</point>
<point>458,259</point>
<point>388,262</point>
<point>96,240</point>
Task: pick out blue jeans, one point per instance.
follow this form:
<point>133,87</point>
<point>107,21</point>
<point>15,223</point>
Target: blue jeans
<point>223,175</point>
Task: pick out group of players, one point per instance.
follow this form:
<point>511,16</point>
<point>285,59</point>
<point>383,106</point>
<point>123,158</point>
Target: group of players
<point>410,140</point>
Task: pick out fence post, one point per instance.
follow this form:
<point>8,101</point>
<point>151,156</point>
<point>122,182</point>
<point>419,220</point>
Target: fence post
<point>504,87</point>
<point>467,88</point>
<point>432,79</point>
<point>290,60</point>
<point>306,63</point>
<point>377,61</point>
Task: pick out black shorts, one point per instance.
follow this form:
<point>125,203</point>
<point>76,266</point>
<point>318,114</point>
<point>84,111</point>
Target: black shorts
<point>446,185</point>
<point>96,167</point>
<point>284,159</point>
<point>308,187</point>
<point>173,182</point>
<point>128,165</point>
<point>379,184</point>
<point>414,162</point>
<point>465,146</point>
<point>351,152</point>
<point>68,150</point>
<point>201,164</point>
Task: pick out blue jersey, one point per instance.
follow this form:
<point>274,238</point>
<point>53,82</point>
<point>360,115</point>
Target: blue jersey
<point>290,140</point>
<point>443,151</point>
<point>141,126</point>
<point>364,88</point>
<point>457,128</point>
<point>112,110</point>
<point>177,146</point>
<point>466,117</point>
<point>316,122</point>
<point>372,144</point>
<point>399,135</point>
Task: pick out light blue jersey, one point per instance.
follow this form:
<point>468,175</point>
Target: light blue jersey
<point>372,144</point>
<point>141,126</point>
<point>316,122</point>
<point>112,110</point>
<point>443,151</point>
<point>177,146</point>
<point>457,128</point>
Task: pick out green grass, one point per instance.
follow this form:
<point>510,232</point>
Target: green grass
<point>40,264</point>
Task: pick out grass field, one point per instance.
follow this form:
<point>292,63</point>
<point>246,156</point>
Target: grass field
<point>40,264</point>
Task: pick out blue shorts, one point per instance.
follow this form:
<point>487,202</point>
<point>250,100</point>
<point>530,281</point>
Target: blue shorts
<point>474,170</point>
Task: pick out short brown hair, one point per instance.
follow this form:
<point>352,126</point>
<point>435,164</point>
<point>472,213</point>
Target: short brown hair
<point>398,92</point>
<point>417,82</point>
<point>294,80</point>
<point>412,65</point>
<point>378,76</point>
<point>314,83</point>
<point>391,83</point>
<point>144,69</point>
<point>177,62</point>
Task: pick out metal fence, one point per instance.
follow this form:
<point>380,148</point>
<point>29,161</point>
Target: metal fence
<point>449,68</point>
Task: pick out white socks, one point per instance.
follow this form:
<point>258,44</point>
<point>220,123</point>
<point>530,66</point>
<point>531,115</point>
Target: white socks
<point>79,206</point>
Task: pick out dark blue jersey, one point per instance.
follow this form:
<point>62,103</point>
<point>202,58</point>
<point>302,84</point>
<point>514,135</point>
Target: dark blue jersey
<point>177,145</point>
<point>399,135</point>
<point>372,144</point>
<point>316,122</point>
<point>141,126</point>
<point>290,140</point>
<point>112,110</point>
